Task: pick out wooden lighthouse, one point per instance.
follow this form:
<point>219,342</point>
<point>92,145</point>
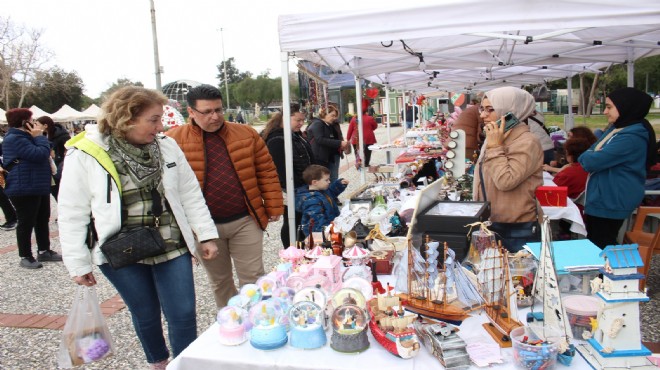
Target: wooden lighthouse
<point>615,340</point>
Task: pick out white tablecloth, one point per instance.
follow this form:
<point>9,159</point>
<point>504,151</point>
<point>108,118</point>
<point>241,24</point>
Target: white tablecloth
<point>569,213</point>
<point>206,353</point>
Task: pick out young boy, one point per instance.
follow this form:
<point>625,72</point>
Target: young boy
<point>318,199</point>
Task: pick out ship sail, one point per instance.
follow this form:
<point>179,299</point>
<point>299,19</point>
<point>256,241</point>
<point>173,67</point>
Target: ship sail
<point>546,288</point>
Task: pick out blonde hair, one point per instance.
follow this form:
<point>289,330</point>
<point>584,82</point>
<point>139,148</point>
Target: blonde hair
<point>123,106</point>
<point>324,112</point>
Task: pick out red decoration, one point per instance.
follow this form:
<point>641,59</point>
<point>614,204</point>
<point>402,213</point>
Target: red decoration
<point>372,93</point>
<point>420,99</point>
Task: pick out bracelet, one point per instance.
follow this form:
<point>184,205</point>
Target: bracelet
<point>206,241</point>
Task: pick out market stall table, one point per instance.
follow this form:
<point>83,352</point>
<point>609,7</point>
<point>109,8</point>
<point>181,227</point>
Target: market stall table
<point>206,353</point>
<point>569,213</point>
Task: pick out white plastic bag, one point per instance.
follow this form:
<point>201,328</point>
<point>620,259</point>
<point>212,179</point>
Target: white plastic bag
<point>85,337</point>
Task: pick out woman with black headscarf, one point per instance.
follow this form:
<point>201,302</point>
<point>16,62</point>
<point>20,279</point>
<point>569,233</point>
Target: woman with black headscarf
<point>616,165</point>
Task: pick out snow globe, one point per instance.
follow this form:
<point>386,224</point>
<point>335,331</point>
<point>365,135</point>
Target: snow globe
<point>267,331</point>
<point>240,301</point>
<point>232,322</point>
<point>267,284</point>
<point>349,334</point>
<point>315,295</point>
<point>349,296</point>
<point>252,292</point>
<point>307,320</point>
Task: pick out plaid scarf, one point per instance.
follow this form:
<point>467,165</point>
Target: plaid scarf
<point>142,163</point>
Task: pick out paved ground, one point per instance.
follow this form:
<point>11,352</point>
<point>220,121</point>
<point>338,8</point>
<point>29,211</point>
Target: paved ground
<point>34,303</point>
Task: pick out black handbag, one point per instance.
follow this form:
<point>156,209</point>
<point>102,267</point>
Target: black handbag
<point>133,245</point>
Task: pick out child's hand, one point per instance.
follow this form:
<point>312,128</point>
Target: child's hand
<point>344,181</point>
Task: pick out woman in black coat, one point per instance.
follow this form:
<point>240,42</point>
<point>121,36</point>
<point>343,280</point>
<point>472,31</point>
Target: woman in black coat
<point>57,136</point>
<point>326,139</point>
<point>303,156</point>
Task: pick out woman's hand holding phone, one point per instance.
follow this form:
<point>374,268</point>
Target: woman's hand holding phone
<point>34,128</point>
<point>495,134</point>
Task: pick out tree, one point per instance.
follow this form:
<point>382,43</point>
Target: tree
<point>21,57</point>
<point>233,74</point>
<point>121,82</point>
<point>52,89</point>
<point>262,90</point>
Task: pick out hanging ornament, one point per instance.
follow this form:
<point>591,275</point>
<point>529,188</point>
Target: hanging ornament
<point>373,92</point>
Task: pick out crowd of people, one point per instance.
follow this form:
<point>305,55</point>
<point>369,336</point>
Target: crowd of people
<point>218,184</point>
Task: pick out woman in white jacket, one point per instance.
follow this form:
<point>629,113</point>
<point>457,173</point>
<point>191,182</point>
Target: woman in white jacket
<point>109,173</point>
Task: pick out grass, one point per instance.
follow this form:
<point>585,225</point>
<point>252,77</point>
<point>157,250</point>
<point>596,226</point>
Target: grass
<point>595,121</point>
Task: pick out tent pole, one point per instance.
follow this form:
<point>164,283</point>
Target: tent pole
<point>630,67</point>
<point>288,148</point>
<point>358,101</point>
<point>405,117</point>
<point>386,109</point>
<point>569,101</point>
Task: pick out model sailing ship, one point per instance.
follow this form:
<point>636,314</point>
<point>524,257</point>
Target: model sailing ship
<point>546,290</point>
<point>497,289</point>
<point>391,327</point>
<point>437,285</point>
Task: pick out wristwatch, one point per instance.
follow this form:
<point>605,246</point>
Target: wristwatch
<point>207,240</point>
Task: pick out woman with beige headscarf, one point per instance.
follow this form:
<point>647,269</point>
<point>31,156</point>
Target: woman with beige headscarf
<point>510,167</point>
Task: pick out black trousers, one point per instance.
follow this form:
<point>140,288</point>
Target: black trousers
<point>284,233</point>
<point>33,212</point>
<point>7,207</point>
<point>602,231</point>
<point>367,154</point>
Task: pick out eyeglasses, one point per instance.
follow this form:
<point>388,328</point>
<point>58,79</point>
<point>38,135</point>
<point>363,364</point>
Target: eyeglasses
<point>209,113</point>
<point>488,110</point>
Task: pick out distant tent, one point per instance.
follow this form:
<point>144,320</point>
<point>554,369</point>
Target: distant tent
<point>66,114</point>
<point>91,113</point>
<point>3,118</point>
<point>38,112</point>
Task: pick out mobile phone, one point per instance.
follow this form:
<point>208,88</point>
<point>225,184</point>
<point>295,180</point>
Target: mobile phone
<point>28,125</point>
<point>510,121</point>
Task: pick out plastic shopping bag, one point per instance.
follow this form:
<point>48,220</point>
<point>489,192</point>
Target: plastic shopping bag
<point>85,337</point>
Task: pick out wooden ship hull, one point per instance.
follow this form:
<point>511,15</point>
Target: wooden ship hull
<point>402,341</point>
<point>500,325</point>
<point>501,306</point>
<point>441,311</point>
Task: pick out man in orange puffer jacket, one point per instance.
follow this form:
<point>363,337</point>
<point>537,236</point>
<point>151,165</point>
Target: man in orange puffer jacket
<point>240,184</point>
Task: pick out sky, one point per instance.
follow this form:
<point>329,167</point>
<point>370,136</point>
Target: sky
<point>103,40</point>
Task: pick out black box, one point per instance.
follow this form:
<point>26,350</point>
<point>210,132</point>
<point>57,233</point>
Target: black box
<point>445,221</point>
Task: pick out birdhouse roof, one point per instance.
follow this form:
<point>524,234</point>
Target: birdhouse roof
<point>622,256</point>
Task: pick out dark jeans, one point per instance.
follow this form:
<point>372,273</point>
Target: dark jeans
<point>334,168</point>
<point>602,231</point>
<point>284,233</point>
<point>33,212</point>
<point>515,235</point>
<point>146,289</point>
<point>7,207</point>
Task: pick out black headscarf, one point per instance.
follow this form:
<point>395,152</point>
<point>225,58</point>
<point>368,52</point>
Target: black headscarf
<point>633,105</point>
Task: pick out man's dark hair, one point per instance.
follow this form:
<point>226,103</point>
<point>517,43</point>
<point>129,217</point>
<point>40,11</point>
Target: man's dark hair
<point>202,92</point>
<point>314,172</point>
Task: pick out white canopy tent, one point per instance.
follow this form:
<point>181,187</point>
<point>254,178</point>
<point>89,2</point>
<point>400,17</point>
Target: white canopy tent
<point>91,113</point>
<point>38,112</point>
<point>67,114</point>
<point>3,118</point>
<point>468,44</point>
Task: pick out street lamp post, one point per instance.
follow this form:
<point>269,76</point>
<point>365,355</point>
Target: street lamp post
<point>224,69</point>
<point>155,37</point>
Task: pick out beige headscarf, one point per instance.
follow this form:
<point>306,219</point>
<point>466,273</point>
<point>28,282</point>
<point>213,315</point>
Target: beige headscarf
<point>512,99</point>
